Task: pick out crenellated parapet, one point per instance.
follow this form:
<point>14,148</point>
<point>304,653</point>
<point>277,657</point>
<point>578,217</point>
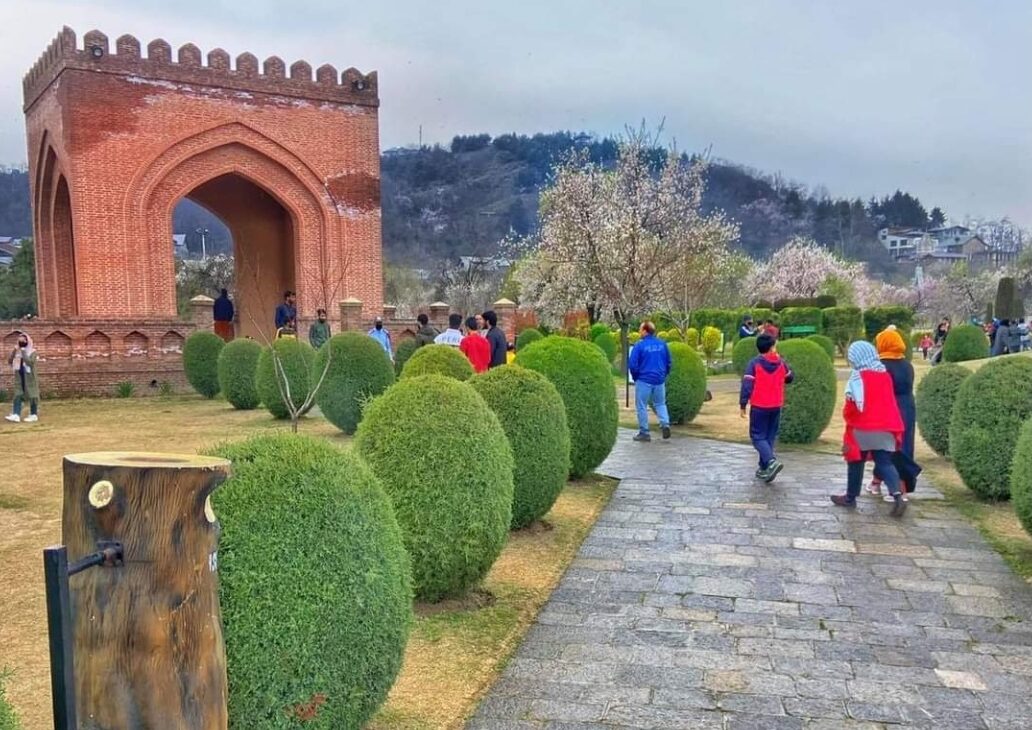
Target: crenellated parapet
<point>188,66</point>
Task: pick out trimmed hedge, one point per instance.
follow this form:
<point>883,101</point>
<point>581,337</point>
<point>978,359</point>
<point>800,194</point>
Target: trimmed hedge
<point>743,351</point>
<point>1021,477</point>
<point>359,370</point>
<point>201,362</point>
<point>296,357</point>
<point>448,468</point>
<point>936,394</point>
<point>965,342</point>
<point>314,585</point>
<point>405,349</point>
<point>531,411</point>
<point>842,325</point>
<point>582,376</point>
<point>597,329</point>
<point>802,317</point>
<point>824,343</point>
<point>990,407</point>
<point>527,336</point>
<point>439,360</point>
<point>877,319</point>
<point>712,339</point>
<point>608,344</point>
<point>238,363</point>
<point>686,384</point>
<point>810,398</point>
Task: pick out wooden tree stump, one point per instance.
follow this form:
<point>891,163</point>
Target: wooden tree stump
<point>148,634</point>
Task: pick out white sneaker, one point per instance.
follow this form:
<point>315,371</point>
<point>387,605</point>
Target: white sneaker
<point>13,418</point>
<point>32,418</point>
<point>890,499</point>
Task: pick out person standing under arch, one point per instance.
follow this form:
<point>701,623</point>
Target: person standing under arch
<point>222,314</point>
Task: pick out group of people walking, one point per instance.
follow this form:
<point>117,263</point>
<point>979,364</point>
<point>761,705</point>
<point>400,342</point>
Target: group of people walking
<point>480,338</point>
<point>879,411</point>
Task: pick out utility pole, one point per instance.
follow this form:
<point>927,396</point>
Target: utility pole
<point>204,243</point>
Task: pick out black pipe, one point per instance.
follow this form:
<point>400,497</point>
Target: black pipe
<point>59,621</point>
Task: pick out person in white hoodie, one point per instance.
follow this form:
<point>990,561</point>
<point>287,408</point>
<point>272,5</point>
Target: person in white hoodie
<point>26,384</point>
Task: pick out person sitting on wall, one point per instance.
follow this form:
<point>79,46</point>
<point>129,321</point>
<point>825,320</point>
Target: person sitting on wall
<point>288,331</point>
<point>287,310</point>
<point>222,313</point>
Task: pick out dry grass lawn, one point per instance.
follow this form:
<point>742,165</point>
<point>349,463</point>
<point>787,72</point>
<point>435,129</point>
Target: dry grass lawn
<point>455,651</point>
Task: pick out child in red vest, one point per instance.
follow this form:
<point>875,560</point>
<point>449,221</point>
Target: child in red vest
<point>874,427</point>
<point>763,387</point>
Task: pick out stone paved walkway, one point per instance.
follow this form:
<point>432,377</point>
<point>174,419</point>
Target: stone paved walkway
<point>704,600</point>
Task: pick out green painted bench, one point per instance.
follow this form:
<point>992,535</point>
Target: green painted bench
<point>799,330</point>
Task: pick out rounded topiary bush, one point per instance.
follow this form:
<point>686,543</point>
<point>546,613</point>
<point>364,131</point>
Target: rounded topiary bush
<point>296,358</point>
<point>1021,477</point>
<point>810,398</point>
<point>201,362</point>
<point>438,360</point>
<point>608,344</point>
<point>824,343</point>
<point>936,394</point>
<point>402,353</point>
<point>965,342</point>
<point>597,329</point>
<point>448,468</point>
<point>531,411</point>
<point>358,369</point>
<point>743,351</point>
<point>991,405</point>
<point>314,585</point>
<point>686,384</point>
<point>582,376</point>
<point>238,362</point>
<point>524,338</point>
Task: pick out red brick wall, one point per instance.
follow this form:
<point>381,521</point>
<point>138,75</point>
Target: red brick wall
<point>131,132</point>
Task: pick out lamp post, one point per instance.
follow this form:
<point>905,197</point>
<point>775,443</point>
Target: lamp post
<point>204,243</point>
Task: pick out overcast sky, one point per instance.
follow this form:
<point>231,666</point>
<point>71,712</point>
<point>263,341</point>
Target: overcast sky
<point>929,96</point>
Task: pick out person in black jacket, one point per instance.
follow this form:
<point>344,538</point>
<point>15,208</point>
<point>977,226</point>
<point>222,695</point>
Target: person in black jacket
<point>496,338</point>
<point>892,350</point>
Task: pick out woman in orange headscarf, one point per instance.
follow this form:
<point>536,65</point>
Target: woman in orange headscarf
<point>892,350</point>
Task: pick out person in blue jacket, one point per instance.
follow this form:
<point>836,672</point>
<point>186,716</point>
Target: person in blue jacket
<point>649,364</point>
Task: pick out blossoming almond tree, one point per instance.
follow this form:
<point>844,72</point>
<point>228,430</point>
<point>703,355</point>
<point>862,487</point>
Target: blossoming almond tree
<point>610,240</point>
<point>801,268</point>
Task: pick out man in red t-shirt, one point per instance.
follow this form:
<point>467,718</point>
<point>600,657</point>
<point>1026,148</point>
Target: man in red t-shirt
<point>475,347</point>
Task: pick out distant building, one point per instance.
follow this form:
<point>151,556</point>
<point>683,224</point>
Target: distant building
<point>946,243</point>
<point>179,245</point>
<point>486,264</point>
<point>9,248</point>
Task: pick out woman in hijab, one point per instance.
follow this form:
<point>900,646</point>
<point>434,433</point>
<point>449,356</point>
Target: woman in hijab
<point>874,428</point>
<point>26,387</point>
<point>892,349</point>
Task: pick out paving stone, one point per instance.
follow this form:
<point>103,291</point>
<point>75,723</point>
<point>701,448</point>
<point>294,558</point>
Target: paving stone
<point>702,600</point>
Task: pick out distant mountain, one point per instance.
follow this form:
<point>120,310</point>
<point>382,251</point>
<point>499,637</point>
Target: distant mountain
<point>440,203</point>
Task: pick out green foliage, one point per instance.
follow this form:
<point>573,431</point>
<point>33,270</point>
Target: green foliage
<point>802,317</point>
<point>405,349</point>
<point>761,315</point>
<point>877,319</point>
<point>842,325</point>
<point>448,468</point>
<point>597,329</point>
<point>1006,297</point>
<point>580,373</point>
<point>634,337</point>
<point>166,389</point>
<point>824,343</point>
<point>686,384</point>
<point>725,320</point>
<point>524,338</point>
<point>743,351</point>
<point>820,302</point>
<point>314,585</point>
<point>608,344</point>
<point>295,357</point>
<point>965,342</point>
<point>691,337</point>
<point>810,398</point>
<point>201,362</point>
<point>18,283</point>
<point>125,389</point>
<point>440,360</point>
<point>1021,477</point>
<point>711,341</point>
<point>8,720</point>
<point>531,411</point>
<point>358,370</point>
<point>990,407</point>
<point>936,394</point>
<point>237,366</point>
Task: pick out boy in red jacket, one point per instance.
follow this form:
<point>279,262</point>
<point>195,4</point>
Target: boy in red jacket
<point>763,386</point>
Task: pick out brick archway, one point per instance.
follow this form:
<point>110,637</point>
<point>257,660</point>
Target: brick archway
<point>292,162</point>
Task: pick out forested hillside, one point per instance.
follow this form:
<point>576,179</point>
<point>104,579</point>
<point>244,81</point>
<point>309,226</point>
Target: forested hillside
<point>439,203</point>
